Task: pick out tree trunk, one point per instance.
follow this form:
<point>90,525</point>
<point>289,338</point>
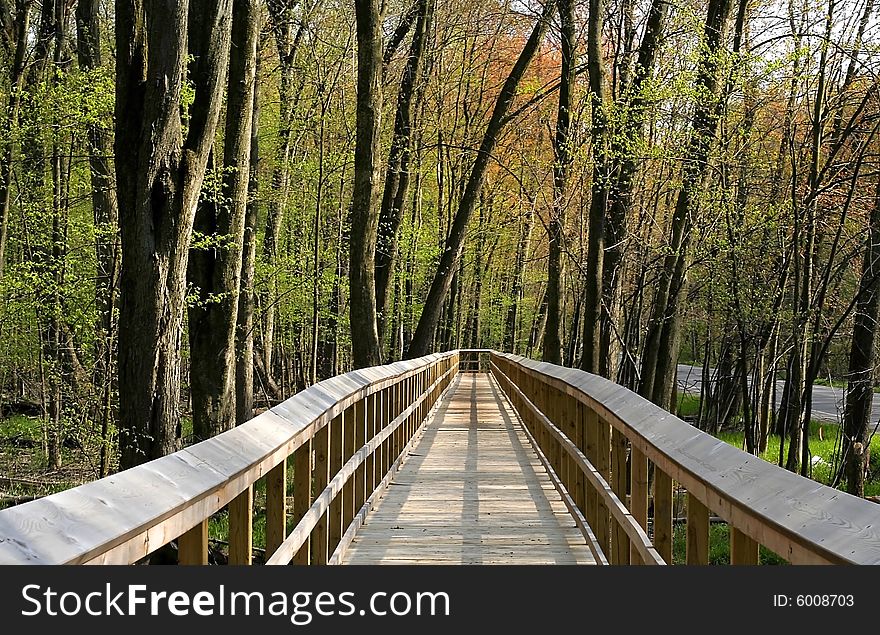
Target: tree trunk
<point>561,168</point>
<point>364,214</point>
<point>215,267</point>
<point>106,216</point>
<point>244,342</point>
<point>516,286</point>
<point>397,176</point>
<point>862,359</point>
<point>625,162</point>
<point>660,353</point>
<point>159,174</point>
<point>599,188</point>
<point>424,333</point>
<point>281,20</point>
<point>18,42</point>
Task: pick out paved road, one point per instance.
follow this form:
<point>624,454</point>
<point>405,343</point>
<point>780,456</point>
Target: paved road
<point>827,401</point>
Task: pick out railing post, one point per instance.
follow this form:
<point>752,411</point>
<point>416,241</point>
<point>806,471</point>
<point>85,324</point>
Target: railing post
<point>603,466</point>
<point>360,438</point>
<point>743,550</point>
<point>192,547</point>
<point>241,516</point>
<point>276,507</point>
<point>580,440</point>
<point>663,514</point>
<point>320,476</point>
<point>639,495</point>
<point>334,513</point>
<point>302,493</point>
<point>371,418</point>
<point>620,547</point>
<point>697,531</point>
<point>352,422</point>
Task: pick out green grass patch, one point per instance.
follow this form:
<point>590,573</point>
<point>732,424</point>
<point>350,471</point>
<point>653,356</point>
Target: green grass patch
<point>719,546</point>
<point>688,405</point>
<point>21,427</point>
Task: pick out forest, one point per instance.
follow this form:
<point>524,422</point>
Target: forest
<point>210,205</point>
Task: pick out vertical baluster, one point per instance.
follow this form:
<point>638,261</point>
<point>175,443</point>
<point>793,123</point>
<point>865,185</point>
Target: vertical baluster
<point>663,514</point>
<point>697,531</point>
<point>603,466</point>
<point>241,515</point>
<point>639,498</point>
<point>580,487</point>
<point>192,547</point>
<point>349,432</point>
<point>334,513</point>
<point>276,507</point>
<point>302,493</point>
<point>620,541</point>
<point>372,402</point>
<point>320,474</point>
<point>743,550</point>
<point>360,438</point>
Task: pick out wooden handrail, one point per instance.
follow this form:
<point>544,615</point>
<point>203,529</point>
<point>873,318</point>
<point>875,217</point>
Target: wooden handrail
<point>124,517</point>
<point>799,519</point>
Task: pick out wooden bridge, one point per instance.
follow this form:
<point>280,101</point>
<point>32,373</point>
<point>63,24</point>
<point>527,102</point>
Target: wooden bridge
<point>465,457</point>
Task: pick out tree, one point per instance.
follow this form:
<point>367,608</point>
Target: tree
<point>159,174</point>
<point>364,214</point>
<point>662,342</point>
<point>448,264</point>
<point>561,167</point>
<point>215,260</point>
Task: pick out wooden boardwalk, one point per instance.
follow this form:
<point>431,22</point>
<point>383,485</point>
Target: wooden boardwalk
<point>471,492</point>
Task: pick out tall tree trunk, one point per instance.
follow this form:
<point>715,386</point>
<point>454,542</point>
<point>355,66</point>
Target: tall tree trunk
<point>862,360</point>
<point>625,145</point>
<point>660,353</point>
<point>516,281</point>
<point>364,214</point>
<point>244,342</point>
<point>106,217</point>
<point>424,333</point>
<point>599,188</point>
<point>159,174</point>
<point>287,42</point>
<point>19,43</point>
<point>561,168</point>
<point>215,268</point>
<point>397,176</point>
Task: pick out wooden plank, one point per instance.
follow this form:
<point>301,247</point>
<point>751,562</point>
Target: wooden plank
<point>359,493</point>
<point>320,478</point>
<point>591,435</point>
<point>472,485</point>
<point>276,507</point>
<point>241,527</point>
<point>335,527</point>
<point>192,547</point>
<point>743,550</point>
<point>603,466</point>
<point>697,531</point>
<point>638,494</point>
<point>348,450</point>
<point>302,493</point>
<point>663,514</point>
<point>370,432</point>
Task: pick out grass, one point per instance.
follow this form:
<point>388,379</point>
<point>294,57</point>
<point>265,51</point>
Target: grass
<point>719,546</point>
<point>688,405</point>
